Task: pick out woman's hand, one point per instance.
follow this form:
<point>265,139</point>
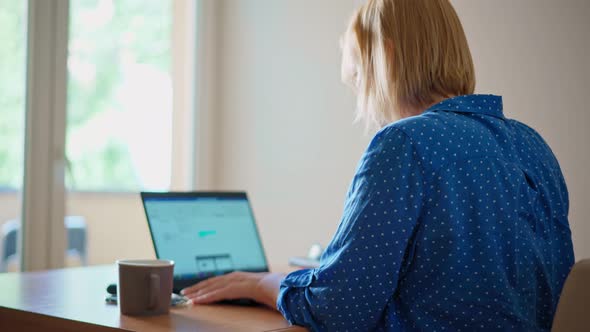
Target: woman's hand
<point>260,287</point>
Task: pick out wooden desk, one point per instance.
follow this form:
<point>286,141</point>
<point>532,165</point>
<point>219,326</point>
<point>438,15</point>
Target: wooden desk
<point>73,300</point>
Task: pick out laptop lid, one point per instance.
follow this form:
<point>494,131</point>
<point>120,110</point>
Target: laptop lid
<point>204,233</point>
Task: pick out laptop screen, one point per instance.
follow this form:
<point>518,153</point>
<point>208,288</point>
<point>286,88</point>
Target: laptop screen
<point>205,234</point>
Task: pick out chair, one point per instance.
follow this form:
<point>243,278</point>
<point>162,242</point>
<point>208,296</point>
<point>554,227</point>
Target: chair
<point>76,228</point>
<point>8,239</point>
<point>76,231</point>
<point>573,310</point>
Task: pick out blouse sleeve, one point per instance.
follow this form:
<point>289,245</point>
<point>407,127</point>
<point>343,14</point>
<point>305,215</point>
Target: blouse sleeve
<point>361,266</point>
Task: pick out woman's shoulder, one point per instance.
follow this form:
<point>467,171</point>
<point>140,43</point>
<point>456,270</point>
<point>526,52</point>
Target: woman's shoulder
<point>411,128</point>
<point>400,140</point>
<point>423,140</point>
<point>523,127</point>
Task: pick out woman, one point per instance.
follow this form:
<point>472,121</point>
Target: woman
<point>456,218</point>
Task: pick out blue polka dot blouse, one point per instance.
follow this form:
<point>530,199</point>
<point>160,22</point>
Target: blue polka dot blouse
<point>456,220</point>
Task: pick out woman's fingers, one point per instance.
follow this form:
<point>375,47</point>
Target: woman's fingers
<point>194,288</point>
<point>229,287</point>
<point>205,290</point>
<point>216,295</point>
<point>203,284</point>
<point>208,284</point>
<point>228,291</point>
<point>214,282</point>
<point>260,287</point>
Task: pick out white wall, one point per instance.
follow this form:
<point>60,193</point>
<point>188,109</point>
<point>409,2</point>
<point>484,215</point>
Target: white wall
<point>285,129</point>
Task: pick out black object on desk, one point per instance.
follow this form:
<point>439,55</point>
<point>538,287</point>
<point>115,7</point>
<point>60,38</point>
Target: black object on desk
<point>112,289</point>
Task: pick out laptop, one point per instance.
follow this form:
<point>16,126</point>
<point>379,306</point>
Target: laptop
<point>206,234</point>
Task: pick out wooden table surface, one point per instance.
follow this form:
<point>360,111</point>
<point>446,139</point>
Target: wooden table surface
<point>73,300</point>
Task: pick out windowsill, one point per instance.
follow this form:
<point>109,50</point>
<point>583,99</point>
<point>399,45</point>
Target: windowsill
<point>11,191</point>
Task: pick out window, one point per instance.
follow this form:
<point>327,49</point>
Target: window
<point>12,93</point>
<point>129,121</point>
<point>13,23</point>
<point>119,122</point>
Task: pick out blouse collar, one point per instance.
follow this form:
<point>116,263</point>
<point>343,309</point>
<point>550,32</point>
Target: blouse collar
<point>476,103</point>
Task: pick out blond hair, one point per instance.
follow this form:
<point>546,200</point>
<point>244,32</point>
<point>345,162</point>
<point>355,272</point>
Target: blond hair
<point>411,53</point>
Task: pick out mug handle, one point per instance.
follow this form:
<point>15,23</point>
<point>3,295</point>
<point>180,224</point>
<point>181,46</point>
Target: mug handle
<point>154,291</point>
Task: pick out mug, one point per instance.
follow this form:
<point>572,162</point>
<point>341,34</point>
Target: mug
<point>145,286</point>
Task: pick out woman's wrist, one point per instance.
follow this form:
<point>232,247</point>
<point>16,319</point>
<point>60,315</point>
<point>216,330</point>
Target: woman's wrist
<point>267,289</point>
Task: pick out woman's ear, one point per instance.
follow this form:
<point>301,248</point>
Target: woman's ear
<point>389,48</point>
<point>350,66</point>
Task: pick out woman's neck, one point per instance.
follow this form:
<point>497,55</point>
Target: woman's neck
<point>417,110</point>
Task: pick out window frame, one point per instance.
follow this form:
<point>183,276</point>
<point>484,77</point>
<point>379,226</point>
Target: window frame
<point>43,239</point>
